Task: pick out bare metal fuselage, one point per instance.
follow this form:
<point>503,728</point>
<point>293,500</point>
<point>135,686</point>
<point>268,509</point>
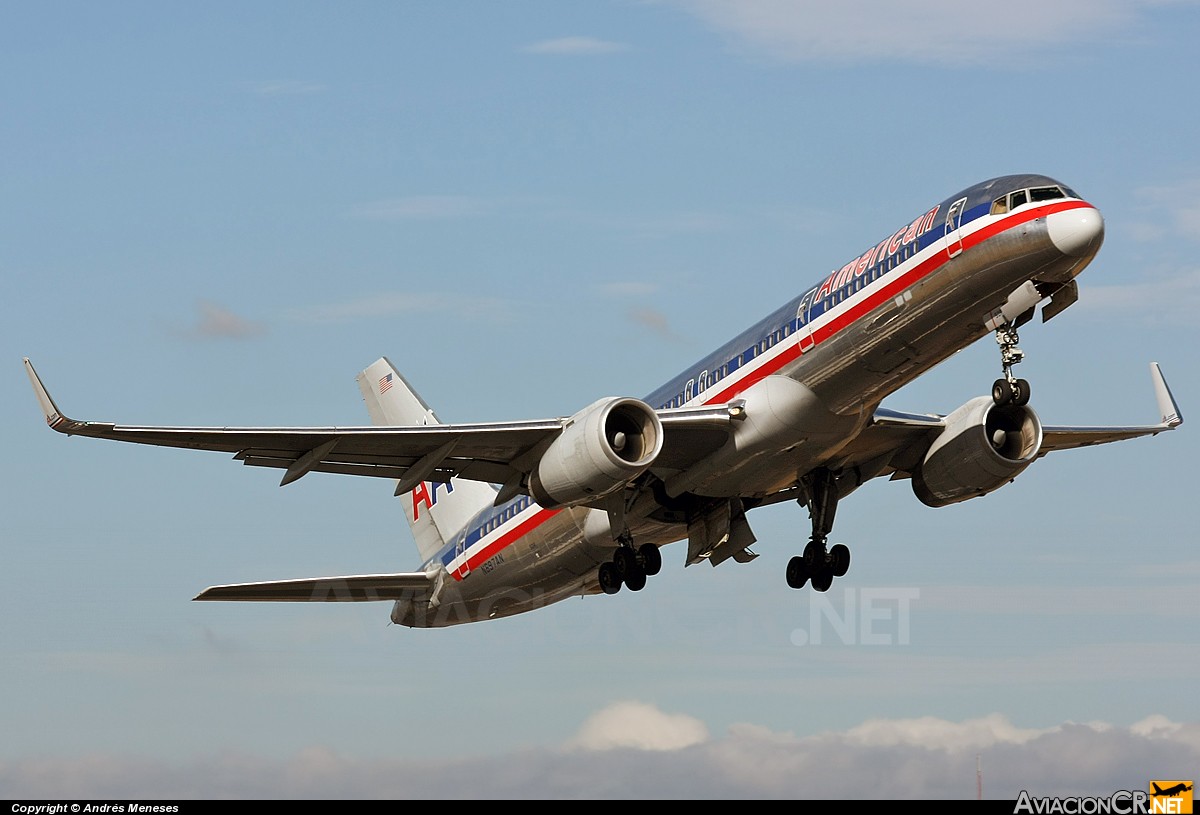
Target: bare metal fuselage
<point>873,338</point>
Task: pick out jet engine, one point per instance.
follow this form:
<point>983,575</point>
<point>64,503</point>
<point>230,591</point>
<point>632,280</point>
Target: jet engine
<point>601,449</point>
<point>982,447</point>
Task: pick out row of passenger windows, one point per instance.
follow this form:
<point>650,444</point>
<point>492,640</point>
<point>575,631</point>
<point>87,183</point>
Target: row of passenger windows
<point>706,379</point>
<point>1019,198</point>
<point>506,515</point>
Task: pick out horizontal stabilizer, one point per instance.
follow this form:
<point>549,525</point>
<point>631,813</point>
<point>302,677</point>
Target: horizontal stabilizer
<point>347,589</point>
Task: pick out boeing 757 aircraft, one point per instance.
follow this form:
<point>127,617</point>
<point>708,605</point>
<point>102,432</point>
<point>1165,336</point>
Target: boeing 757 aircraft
<point>512,516</point>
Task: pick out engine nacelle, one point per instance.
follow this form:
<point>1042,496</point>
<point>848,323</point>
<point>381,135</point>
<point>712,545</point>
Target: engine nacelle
<point>601,449</point>
<point>982,448</point>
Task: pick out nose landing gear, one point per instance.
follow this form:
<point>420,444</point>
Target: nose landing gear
<point>1008,389</point>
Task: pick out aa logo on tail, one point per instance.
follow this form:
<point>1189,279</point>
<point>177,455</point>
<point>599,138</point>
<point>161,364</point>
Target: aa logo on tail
<point>1171,797</point>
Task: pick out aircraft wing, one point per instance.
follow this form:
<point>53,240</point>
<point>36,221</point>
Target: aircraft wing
<point>496,453</point>
<point>894,443</point>
<point>1066,438</point>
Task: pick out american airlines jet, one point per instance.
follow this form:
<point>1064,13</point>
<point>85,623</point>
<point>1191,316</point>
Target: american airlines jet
<point>513,516</point>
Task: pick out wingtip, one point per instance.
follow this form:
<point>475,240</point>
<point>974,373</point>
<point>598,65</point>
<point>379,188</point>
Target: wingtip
<point>1168,408</point>
<point>50,411</point>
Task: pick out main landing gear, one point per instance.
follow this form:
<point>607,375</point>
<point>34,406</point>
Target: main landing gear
<point>630,567</point>
<point>1009,390</point>
<point>818,564</point>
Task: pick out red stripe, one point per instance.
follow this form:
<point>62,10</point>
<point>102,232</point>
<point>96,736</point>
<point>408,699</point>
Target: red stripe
<point>504,541</point>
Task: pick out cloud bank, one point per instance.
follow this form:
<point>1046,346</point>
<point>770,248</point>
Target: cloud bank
<point>632,749</point>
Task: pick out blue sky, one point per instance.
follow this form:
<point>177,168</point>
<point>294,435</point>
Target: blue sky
<point>218,214</point>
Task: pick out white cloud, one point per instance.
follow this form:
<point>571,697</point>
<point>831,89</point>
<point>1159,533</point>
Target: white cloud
<point>639,726</point>
<point>939,734</point>
<point>922,31</point>
<point>585,46</point>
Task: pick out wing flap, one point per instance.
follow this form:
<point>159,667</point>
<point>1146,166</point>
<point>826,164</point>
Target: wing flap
<point>343,589</point>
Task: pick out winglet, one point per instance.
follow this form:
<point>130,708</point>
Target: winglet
<point>53,415</point>
<point>1168,410</point>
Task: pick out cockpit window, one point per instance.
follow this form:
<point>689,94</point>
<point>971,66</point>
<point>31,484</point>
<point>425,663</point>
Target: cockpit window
<point>1045,193</point>
<point>1000,205</point>
<point>1017,199</point>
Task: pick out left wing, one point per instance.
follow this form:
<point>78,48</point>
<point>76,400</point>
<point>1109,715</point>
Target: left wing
<point>496,453</point>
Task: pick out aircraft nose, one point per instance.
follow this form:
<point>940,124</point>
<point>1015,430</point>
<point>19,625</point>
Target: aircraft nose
<point>1076,232</point>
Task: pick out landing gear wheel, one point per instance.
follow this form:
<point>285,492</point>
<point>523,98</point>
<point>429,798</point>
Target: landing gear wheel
<point>1002,392</point>
<point>797,572</point>
<point>610,578</point>
<point>1021,394</point>
<point>625,559</point>
<point>650,559</point>
<point>636,579</point>
<point>822,580</point>
<point>840,555</point>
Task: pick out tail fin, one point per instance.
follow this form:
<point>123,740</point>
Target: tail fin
<point>436,512</point>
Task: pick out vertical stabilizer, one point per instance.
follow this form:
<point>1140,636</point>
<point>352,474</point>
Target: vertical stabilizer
<point>436,512</point>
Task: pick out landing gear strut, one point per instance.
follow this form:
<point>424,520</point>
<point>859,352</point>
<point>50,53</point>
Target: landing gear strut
<point>1009,389</point>
<point>818,564</point>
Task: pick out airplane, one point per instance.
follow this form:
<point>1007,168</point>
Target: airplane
<point>514,516</point>
<point>1170,791</point>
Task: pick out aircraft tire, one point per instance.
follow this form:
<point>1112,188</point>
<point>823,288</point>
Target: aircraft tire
<point>610,578</point>
<point>822,580</point>
<point>626,560</point>
<point>1002,392</point>
<point>840,553</point>
<point>797,573</point>
<point>636,579</point>
<point>1021,396</point>
<point>650,558</point>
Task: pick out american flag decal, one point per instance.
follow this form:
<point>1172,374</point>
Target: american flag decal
<point>385,384</point>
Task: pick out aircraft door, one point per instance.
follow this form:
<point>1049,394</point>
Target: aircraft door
<point>464,567</point>
<point>803,326</point>
<point>954,245</point>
